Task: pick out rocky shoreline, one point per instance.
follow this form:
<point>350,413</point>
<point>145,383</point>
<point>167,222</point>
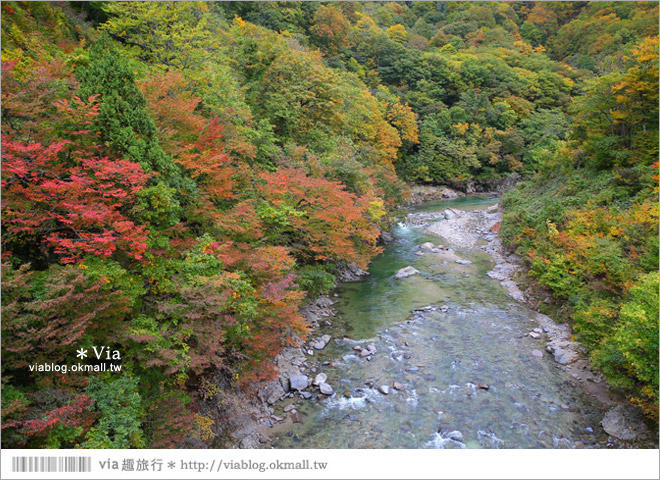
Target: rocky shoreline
<point>298,377</point>
<point>623,421</point>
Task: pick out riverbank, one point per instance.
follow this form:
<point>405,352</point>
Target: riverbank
<point>623,421</point>
<point>297,392</point>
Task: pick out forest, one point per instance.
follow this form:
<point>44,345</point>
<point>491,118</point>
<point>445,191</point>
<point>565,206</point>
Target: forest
<point>178,178</point>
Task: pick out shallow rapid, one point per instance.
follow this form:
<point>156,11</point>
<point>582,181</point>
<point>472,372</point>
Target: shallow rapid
<point>459,374</point>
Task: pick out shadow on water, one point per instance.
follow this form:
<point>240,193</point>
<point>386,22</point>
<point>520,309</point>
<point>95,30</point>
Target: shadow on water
<point>467,374</point>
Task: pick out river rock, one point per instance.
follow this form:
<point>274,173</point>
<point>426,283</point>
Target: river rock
<point>322,342</point>
<point>384,389</point>
<point>386,237</point>
<point>306,395</point>
<point>564,352</point>
<point>326,389</point>
<point>537,353</point>
<point>298,382</point>
<point>450,213</point>
<point>271,392</point>
<point>289,408</point>
<point>350,272</point>
<point>624,422</point>
<point>427,246</point>
<point>320,378</point>
<point>427,308</point>
<point>406,272</point>
<point>397,386</point>
<point>534,335</point>
<point>456,436</point>
<point>460,261</point>
<point>419,254</point>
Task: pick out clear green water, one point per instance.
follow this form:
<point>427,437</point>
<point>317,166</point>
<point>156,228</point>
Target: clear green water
<point>440,359</point>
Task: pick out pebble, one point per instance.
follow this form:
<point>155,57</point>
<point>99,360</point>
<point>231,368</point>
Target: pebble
<point>483,386</point>
<point>534,335</point>
<point>306,395</point>
<point>589,430</point>
<point>537,353</point>
<point>463,262</point>
<point>289,408</point>
<point>384,389</point>
<point>419,254</point>
<point>397,386</point>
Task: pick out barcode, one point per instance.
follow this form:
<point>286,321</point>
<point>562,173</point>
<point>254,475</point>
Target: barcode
<point>51,464</point>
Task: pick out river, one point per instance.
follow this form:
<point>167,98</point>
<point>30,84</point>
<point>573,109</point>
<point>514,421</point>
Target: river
<point>465,368</point>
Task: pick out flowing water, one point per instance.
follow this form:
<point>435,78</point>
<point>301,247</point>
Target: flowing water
<point>469,378</point>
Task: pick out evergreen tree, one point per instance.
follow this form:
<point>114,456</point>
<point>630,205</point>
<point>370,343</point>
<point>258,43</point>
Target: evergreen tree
<point>123,121</point>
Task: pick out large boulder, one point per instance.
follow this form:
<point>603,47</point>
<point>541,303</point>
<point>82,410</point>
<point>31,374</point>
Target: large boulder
<point>624,422</point>
<point>298,382</point>
<point>406,272</point>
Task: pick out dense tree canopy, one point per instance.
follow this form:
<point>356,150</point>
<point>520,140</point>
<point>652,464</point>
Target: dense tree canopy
<point>178,177</point>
